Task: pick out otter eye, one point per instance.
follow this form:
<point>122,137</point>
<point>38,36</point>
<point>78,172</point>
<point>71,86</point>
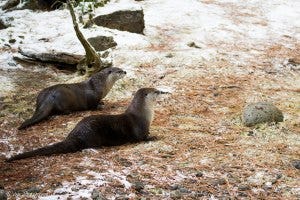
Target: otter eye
<point>109,72</point>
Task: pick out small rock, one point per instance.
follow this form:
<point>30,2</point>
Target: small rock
<point>123,20</point>
<point>124,162</point>
<point>12,64</point>
<point>176,194</point>
<point>296,164</point>
<point>267,186</point>
<point>138,186</point>
<point>33,190</point>
<point>175,187</point>
<point>3,195</point>
<point>96,195</point>
<point>102,43</point>
<point>242,194</point>
<point>199,174</point>
<point>261,112</point>
<point>2,25</point>
<point>250,133</point>
<point>220,181</point>
<point>243,187</point>
<point>12,41</point>
<point>184,190</point>
<point>194,45</point>
<point>169,55</point>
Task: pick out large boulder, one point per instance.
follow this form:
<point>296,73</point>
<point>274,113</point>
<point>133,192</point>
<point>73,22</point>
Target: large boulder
<point>101,43</point>
<point>123,20</point>
<point>261,112</point>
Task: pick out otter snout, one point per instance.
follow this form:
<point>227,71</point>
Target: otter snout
<point>161,92</point>
<point>122,72</point>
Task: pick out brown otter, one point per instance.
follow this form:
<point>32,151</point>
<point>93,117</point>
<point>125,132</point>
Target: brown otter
<point>65,98</point>
<point>106,130</point>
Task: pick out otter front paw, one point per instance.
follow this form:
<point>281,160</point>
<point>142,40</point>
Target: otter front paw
<point>100,106</point>
<point>151,138</point>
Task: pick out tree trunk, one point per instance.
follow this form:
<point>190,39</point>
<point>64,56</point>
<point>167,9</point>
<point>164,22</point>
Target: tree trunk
<point>92,60</point>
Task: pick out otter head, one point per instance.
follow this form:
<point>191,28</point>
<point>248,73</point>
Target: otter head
<point>113,74</point>
<point>143,103</point>
<point>105,79</point>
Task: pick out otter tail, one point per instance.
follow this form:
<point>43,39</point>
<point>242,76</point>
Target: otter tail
<point>66,146</point>
<point>41,113</point>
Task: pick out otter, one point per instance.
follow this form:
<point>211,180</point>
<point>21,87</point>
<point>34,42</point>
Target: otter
<point>106,130</point>
<point>65,98</point>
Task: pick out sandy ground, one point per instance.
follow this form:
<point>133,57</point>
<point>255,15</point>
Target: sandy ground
<point>243,52</point>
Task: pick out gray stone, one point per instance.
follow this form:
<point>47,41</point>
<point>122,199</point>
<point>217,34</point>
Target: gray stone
<point>101,43</point>
<point>3,195</point>
<point>123,20</point>
<point>261,112</point>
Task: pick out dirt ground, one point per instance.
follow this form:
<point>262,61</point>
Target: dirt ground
<point>203,150</point>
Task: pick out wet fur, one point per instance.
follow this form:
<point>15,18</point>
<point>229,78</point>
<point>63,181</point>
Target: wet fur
<point>105,130</point>
<point>66,98</point>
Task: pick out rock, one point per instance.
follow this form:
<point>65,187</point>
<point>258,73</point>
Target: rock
<point>220,181</point>
<point>294,61</point>
<point>296,164</point>
<point>267,185</point>
<point>199,174</point>
<point>3,195</point>
<point>123,20</point>
<point>184,190</point>
<point>169,55</point>
<point>96,195</point>
<point>2,25</point>
<point>175,194</point>
<point>261,112</point>
<point>138,186</point>
<point>101,43</point>
<point>175,187</point>
<point>33,190</point>
<point>10,4</point>
<point>243,187</point>
<point>194,45</point>
<point>12,41</point>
